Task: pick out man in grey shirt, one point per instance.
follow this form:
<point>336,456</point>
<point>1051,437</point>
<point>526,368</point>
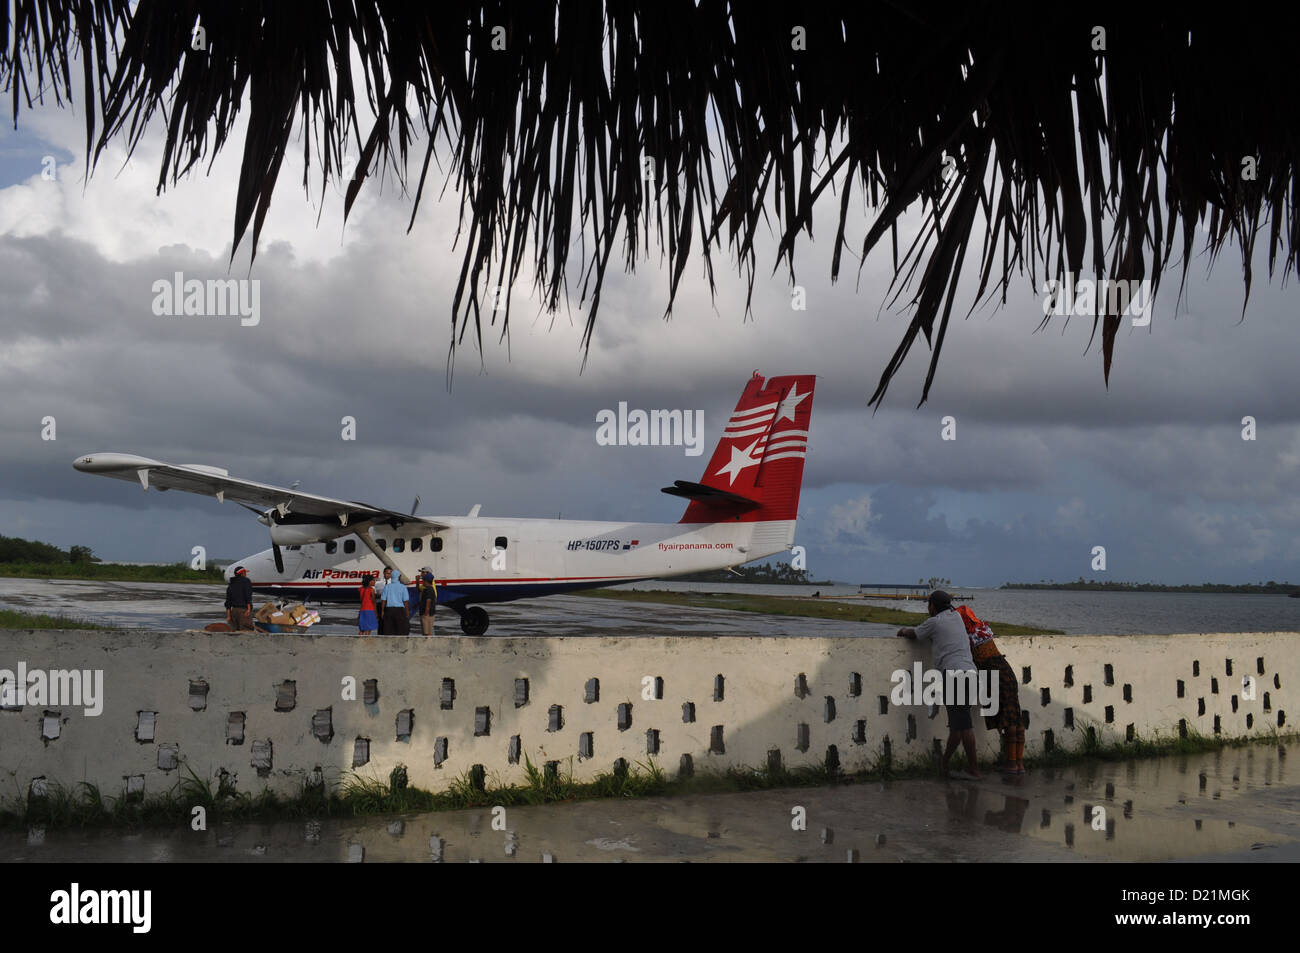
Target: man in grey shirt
<point>951,647</point>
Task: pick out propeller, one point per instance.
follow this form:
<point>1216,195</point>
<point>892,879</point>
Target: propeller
<point>268,519</point>
<point>415,505</point>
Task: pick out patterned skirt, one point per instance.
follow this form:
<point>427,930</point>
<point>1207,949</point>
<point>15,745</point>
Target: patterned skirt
<point>1008,716</point>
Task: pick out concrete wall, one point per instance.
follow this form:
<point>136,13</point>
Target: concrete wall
<point>459,702</point>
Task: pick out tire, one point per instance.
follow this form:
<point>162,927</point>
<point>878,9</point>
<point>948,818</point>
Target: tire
<point>474,620</point>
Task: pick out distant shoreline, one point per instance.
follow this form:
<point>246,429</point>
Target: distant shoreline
<point>116,572</point>
<point>1269,589</point>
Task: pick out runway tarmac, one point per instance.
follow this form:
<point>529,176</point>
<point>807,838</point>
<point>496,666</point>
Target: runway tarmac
<point>174,606</point>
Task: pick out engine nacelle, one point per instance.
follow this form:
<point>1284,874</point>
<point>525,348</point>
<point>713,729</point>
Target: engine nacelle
<point>296,534</point>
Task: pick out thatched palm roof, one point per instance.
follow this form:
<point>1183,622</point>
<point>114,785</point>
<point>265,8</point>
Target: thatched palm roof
<point>1066,156</point>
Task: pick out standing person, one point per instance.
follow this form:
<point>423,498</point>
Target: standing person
<point>1007,721</point>
<point>366,620</point>
<point>380,586</point>
<point>428,600</point>
<point>947,635</point>
<point>239,600</point>
<point>397,606</point>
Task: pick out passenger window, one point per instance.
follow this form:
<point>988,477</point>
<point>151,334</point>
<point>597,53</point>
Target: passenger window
<point>501,542</point>
<point>331,547</point>
<point>382,544</point>
<point>399,545</point>
<point>349,545</point>
<point>417,544</point>
<point>435,544</point>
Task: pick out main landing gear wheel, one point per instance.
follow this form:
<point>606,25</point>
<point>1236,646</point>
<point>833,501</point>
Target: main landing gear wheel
<point>474,620</point>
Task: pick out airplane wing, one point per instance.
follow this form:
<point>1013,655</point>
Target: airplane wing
<point>213,481</point>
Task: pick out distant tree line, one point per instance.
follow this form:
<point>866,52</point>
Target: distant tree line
<point>15,550</point>
<point>1266,588</point>
<point>781,574</point>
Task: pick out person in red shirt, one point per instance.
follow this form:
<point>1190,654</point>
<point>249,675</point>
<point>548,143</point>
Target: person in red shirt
<point>366,618</point>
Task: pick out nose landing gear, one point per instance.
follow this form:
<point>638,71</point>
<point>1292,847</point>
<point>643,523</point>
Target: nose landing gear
<point>473,620</point>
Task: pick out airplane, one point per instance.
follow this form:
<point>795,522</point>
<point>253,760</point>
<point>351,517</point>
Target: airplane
<point>743,508</point>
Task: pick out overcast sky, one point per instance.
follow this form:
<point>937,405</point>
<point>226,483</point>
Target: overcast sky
<point>1047,463</point>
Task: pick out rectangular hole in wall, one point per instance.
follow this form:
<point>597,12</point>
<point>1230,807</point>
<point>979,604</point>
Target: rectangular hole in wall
<point>1196,668</point>
<point>1182,727</point>
<point>1200,706</point>
<point>552,771</point>
<point>1233,700</point>
<point>261,759</point>
<point>370,691</point>
<point>1128,693</point>
<point>1069,676</point>
<point>198,694</point>
<point>801,685</point>
<point>1045,694</point>
<point>719,687</point>
<point>659,688</point>
<point>686,767</point>
<point>1259,665</point>
<point>447,694</point>
<point>1129,732</point>
<point>145,722</point>
<point>1087,694</point>
<point>911,728</point>
<point>855,684</point>
<point>1268,702</point>
<point>624,716</point>
<point>1214,686</point>
<point>322,725</point>
<point>1049,740</point>
<point>439,751</point>
<point>828,709</point>
<point>514,750</point>
<point>478,777</point>
<point>1181,688</point>
<point>405,724</point>
<point>555,718</point>
<point>1025,675</point>
<point>168,757</point>
<point>1069,718</point>
<point>832,760</point>
<point>1108,674</point>
<point>286,696</point>
<point>1110,714</point>
<point>591,691</point>
<point>652,741</point>
<point>860,732</point>
<point>360,752</point>
<point>884,704</point>
<point>521,692</point>
<point>774,761</point>
<point>586,745</point>
<point>688,712</point>
<point>1227,666</point>
<point>482,721</point>
<point>1217,727</point>
<point>801,737</point>
<point>716,745</point>
<point>235,728</point>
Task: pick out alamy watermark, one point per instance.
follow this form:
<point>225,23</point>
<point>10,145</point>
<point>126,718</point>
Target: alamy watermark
<point>654,428</point>
<point>1086,297</point>
<point>76,688</point>
<point>216,296</point>
<point>924,687</point>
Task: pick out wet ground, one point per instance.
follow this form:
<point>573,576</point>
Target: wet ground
<point>1239,804</point>
<point>172,606</point>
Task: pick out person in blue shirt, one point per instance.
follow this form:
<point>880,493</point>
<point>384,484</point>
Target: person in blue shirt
<point>397,607</point>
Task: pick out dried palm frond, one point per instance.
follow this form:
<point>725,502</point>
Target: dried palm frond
<point>1065,138</point>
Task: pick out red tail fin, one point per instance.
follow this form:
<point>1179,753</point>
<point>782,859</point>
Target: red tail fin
<point>760,455</point>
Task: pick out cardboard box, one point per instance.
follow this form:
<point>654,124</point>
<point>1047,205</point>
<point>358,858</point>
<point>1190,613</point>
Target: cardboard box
<point>264,614</point>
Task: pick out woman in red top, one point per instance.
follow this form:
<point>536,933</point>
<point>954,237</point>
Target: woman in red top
<point>1007,721</point>
<point>367,621</point>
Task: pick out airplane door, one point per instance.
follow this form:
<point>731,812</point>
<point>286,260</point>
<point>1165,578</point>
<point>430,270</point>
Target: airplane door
<point>474,553</point>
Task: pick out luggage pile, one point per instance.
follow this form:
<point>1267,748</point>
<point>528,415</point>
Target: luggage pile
<point>275,618</point>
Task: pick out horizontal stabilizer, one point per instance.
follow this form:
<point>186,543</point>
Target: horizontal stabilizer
<point>710,495</point>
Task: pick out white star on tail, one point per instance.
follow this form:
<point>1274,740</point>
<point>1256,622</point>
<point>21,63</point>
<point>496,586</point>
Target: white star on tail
<point>740,459</point>
<point>790,406</point>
